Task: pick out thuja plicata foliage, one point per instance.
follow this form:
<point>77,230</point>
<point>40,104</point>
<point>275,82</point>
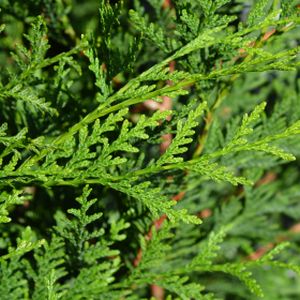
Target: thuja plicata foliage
<point>149,149</point>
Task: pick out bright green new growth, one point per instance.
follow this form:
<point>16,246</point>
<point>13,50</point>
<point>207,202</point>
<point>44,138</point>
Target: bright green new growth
<point>91,204</point>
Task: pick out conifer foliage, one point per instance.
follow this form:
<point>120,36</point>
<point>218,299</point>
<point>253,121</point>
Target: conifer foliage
<point>148,149</point>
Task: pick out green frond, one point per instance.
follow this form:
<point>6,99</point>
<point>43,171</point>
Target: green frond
<point>184,132</point>
<point>50,269</point>
<point>258,12</point>
<point>13,282</point>
<point>7,201</point>
<point>148,149</point>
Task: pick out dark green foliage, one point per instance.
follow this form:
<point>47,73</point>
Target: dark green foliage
<point>104,197</point>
